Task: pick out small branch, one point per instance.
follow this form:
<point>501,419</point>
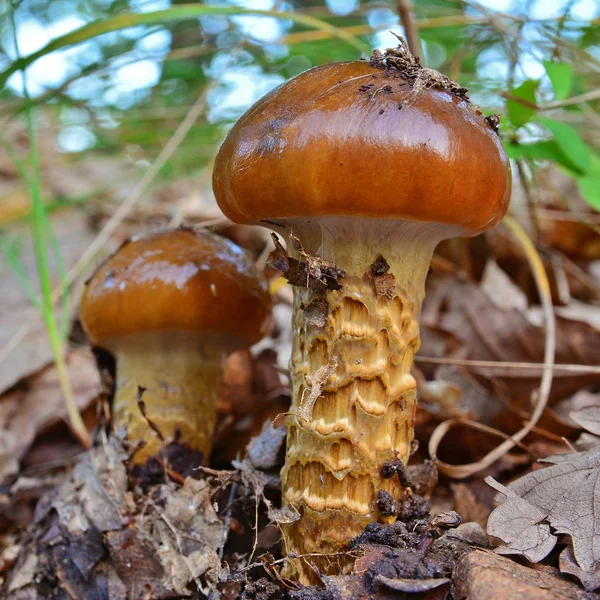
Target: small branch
<point>539,398</point>
<point>528,189</point>
<point>587,97</point>
<point>410,29</point>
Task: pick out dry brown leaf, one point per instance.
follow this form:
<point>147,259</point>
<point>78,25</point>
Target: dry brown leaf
<point>26,412</point>
<point>485,332</point>
<point>313,272</point>
<point>500,289</point>
<point>484,575</point>
<point>564,496</point>
<point>33,351</point>
<point>582,399</point>
<point>94,530</point>
<point>384,282</point>
<point>588,418</point>
<point>263,450</point>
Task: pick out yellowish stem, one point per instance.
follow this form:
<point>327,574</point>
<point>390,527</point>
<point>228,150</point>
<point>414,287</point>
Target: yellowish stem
<point>177,377</point>
<point>353,396</point>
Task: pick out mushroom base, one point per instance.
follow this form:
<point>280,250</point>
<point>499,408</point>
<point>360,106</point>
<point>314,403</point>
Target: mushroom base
<point>177,377</point>
<point>353,399</point>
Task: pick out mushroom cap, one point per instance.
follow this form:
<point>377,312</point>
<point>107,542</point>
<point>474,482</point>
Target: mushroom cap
<point>180,280</point>
<point>360,140</point>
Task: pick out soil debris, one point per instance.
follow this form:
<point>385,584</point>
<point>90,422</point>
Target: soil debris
<point>396,467</point>
<point>386,504</point>
<point>312,272</point>
<point>384,282</point>
<point>316,312</point>
<point>401,62</point>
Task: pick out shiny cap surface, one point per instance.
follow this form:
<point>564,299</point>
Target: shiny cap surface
<point>356,139</point>
<point>180,280</point>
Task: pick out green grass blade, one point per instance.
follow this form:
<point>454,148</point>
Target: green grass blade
<point>39,227</point>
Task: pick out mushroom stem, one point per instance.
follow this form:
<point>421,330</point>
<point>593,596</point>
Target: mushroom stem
<point>177,377</point>
<point>353,396</point>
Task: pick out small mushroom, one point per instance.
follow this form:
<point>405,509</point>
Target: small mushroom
<point>169,307</point>
<point>369,165</point>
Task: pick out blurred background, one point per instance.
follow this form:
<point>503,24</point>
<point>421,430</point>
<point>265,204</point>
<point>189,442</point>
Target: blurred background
<point>111,113</point>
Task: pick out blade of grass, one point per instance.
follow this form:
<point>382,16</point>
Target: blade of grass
<point>16,266</point>
<point>51,238</point>
<point>39,227</point>
<point>175,13</point>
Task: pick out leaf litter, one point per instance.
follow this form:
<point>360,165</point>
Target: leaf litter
<point>561,499</point>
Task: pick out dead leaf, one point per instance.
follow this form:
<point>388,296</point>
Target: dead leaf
<point>564,496</point>
<point>263,450</point>
<point>482,575</point>
<point>582,399</point>
<point>316,312</point>
<point>314,273</point>
<point>588,418</point>
<point>26,412</point>
<point>500,289</point>
<point>283,516</point>
<point>568,564</point>
<point>33,351</point>
<point>160,543</point>
<point>519,524</point>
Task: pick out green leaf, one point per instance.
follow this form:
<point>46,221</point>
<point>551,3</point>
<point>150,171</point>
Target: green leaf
<point>548,150</point>
<point>570,143</point>
<point>589,186</point>
<point>561,78</point>
<point>518,113</point>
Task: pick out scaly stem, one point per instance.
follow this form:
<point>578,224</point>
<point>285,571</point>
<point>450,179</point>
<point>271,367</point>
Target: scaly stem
<point>353,396</point>
<point>177,377</point>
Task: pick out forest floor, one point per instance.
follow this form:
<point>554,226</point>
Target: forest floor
<point>80,525</point>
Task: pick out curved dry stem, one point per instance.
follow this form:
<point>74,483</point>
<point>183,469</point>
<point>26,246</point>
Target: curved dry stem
<point>543,285</point>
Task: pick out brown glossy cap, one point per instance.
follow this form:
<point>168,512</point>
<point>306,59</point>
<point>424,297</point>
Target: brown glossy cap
<point>384,139</point>
<point>178,280</point>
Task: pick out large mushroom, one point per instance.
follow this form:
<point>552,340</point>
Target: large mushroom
<point>369,165</point>
<point>170,306</point>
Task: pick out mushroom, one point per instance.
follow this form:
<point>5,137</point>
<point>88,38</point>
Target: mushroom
<point>169,307</point>
<point>369,165</point>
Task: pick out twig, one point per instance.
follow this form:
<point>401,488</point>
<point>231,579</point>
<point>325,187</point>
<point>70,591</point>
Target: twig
<point>410,29</point>
<point>524,177</point>
<point>178,542</point>
<point>586,97</point>
<point>541,397</point>
<point>214,594</point>
<point>498,364</point>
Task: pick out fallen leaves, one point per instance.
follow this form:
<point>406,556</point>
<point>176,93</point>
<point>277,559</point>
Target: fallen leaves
<point>486,576</point>
<point>564,497</point>
<point>24,345</point>
<point>588,418</point>
<point>39,404</point>
<point>95,532</point>
<point>312,272</point>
